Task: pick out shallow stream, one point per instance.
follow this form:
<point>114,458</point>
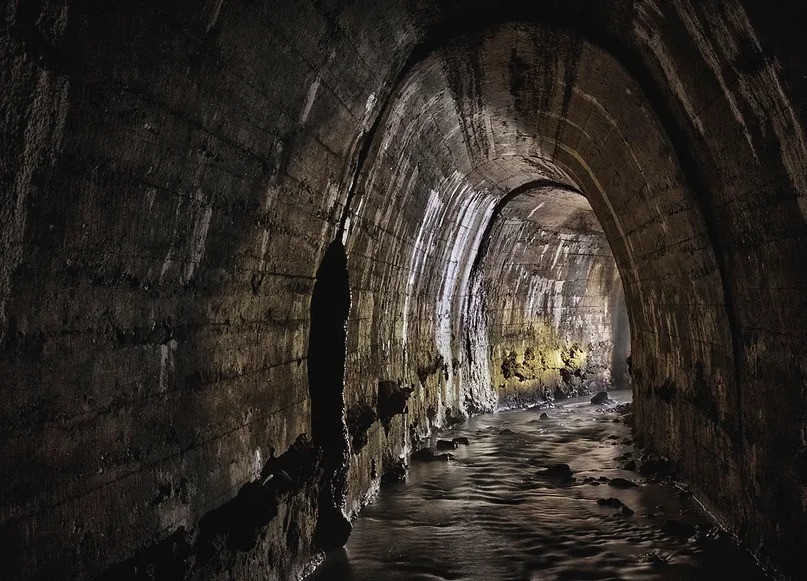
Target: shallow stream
<point>490,514</point>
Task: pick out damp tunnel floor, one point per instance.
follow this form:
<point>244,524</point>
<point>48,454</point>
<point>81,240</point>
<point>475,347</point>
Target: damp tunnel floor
<point>489,513</point>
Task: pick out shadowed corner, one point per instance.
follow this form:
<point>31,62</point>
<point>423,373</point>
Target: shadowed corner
<point>330,307</point>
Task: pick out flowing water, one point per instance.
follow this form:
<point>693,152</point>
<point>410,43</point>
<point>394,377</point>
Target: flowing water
<point>489,514</point>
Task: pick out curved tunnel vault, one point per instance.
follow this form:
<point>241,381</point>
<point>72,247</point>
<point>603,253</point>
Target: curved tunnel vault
<point>482,118</point>
<point>487,114</point>
<point>173,178</point>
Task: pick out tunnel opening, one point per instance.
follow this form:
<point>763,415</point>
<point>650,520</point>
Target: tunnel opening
<point>330,308</point>
<point>547,290</point>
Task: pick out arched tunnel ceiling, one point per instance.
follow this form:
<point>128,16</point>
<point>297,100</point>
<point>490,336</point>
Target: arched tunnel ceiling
<point>556,210</point>
<point>520,103</point>
<point>174,174</point>
<point>523,103</point>
<point>496,109</point>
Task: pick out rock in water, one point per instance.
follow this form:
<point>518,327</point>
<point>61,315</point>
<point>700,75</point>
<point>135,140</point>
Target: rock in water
<point>621,483</point>
<point>426,455</point>
<point>461,440</point>
<point>446,444</point>
<point>600,398</point>
<point>654,559</point>
<point>615,503</point>
<point>423,455</point>
<point>561,471</point>
<point>543,416</point>
<point>612,502</point>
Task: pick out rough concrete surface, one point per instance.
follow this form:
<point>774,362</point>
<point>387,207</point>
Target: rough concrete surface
<point>485,180</point>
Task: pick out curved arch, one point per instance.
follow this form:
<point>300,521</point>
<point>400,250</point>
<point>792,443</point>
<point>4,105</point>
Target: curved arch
<point>175,177</point>
<point>473,24</point>
<point>444,159</point>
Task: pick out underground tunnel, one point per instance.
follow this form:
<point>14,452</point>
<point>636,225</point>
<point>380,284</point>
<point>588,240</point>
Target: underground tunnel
<point>324,289</point>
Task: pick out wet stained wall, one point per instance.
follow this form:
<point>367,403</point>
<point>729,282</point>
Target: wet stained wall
<point>172,176</point>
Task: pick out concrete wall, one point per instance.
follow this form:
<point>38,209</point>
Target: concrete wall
<point>173,173</point>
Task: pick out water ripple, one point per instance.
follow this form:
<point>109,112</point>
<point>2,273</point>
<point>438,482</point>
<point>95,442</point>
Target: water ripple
<point>491,515</point>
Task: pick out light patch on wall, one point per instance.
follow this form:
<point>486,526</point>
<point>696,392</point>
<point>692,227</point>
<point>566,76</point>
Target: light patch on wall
<point>711,54</point>
<point>43,135</point>
<point>257,465</point>
<point>557,310</point>
<point>538,207</point>
<point>169,256</point>
<point>167,364</point>
<point>467,203</point>
<point>561,249</point>
<point>764,93</point>
<point>198,237</point>
<point>269,198</point>
<point>309,100</point>
<point>151,195</point>
<point>475,211</point>
<point>428,227</point>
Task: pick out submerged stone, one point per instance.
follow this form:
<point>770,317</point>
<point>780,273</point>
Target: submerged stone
<point>423,455</point>
<point>654,559</point>
<point>427,455</point>
<point>612,502</point>
<point>615,503</point>
<point>621,483</point>
<point>561,471</point>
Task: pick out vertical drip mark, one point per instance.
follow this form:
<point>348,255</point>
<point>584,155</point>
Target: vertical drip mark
<point>462,66</point>
<point>569,80</point>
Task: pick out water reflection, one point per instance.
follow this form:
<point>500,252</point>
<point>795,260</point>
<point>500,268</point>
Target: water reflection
<point>490,515</point>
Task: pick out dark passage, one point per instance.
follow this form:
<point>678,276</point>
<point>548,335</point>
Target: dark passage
<point>330,306</point>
